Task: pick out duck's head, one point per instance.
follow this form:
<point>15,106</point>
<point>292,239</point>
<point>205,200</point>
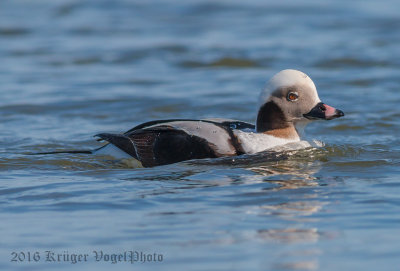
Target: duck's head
<point>289,98</point>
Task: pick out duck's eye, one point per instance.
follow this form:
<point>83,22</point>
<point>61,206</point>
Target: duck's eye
<point>292,96</point>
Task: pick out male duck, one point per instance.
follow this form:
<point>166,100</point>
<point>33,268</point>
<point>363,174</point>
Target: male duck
<point>287,103</point>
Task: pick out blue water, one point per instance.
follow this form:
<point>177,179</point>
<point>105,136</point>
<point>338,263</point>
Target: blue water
<point>72,69</point>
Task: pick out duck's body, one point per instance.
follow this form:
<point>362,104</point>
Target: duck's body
<point>168,141</point>
<point>287,103</point>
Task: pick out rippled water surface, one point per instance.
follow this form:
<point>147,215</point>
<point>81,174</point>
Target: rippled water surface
<point>72,69</point>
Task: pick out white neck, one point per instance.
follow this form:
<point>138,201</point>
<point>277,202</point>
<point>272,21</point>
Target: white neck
<point>300,126</point>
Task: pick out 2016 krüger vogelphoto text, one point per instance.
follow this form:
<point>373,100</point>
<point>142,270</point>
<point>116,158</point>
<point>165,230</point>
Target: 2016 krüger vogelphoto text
<point>65,256</point>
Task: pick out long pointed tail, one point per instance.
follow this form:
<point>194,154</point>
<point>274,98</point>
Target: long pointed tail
<point>60,152</point>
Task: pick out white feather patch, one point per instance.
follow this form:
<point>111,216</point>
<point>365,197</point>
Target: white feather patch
<point>257,142</point>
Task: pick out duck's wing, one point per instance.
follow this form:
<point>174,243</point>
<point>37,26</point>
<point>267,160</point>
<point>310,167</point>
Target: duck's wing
<point>170,141</point>
<point>231,124</point>
<point>154,123</point>
<point>160,145</point>
<point>224,123</point>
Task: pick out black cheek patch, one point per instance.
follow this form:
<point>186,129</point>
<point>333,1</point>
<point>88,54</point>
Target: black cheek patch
<point>270,117</point>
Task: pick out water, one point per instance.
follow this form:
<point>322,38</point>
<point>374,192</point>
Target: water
<point>72,69</point>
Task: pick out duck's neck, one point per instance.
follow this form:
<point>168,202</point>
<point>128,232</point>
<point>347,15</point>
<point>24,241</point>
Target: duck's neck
<point>272,121</point>
<point>286,133</point>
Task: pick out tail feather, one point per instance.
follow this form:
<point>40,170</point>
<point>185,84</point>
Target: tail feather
<point>60,152</point>
<point>123,142</point>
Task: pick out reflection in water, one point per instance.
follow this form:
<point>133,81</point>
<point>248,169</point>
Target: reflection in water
<point>298,210</point>
<point>298,171</point>
<point>294,210</point>
<point>290,235</point>
<point>301,265</point>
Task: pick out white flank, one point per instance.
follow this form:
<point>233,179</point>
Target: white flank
<point>257,142</point>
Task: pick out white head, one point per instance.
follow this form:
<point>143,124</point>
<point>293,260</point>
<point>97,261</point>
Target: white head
<point>290,97</point>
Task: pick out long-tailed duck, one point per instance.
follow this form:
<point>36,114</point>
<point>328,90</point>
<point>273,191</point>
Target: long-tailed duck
<point>288,102</point>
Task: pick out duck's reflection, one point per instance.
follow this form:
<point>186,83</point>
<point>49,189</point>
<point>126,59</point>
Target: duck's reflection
<point>295,211</point>
<point>300,265</point>
<point>298,204</point>
<point>289,235</point>
<point>278,196</point>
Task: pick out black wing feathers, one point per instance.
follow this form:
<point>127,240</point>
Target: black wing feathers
<point>156,143</point>
<point>161,145</point>
<point>121,141</point>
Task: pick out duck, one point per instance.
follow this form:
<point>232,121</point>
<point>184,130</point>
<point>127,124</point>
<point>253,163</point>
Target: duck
<point>287,103</point>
